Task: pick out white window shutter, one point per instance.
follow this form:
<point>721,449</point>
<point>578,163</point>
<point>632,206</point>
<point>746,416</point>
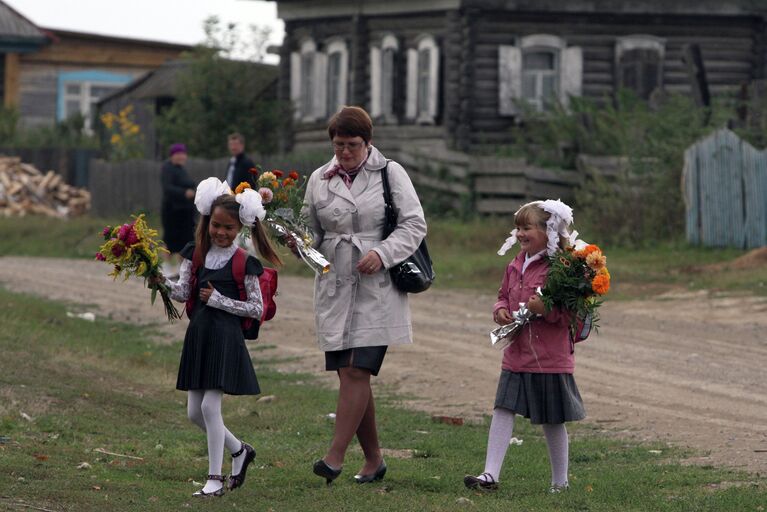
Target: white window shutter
<point>572,74</point>
<point>434,82</point>
<point>320,85</point>
<point>375,81</point>
<point>412,83</point>
<point>343,85</point>
<point>509,79</point>
<point>295,82</point>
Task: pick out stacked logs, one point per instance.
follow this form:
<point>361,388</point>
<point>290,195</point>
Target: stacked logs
<point>24,190</point>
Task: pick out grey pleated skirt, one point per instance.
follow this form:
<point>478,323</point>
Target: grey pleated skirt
<point>541,397</point>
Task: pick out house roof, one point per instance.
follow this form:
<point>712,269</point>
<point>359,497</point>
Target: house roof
<point>70,34</point>
<point>15,28</point>
<point>162,82</point>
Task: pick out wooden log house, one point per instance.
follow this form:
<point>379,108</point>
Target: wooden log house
<point>51,74</point>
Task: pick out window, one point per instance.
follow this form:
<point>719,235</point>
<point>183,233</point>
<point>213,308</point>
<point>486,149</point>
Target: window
<point>639,64</point>
<point>423,81</point>
<point>337,75</point>
<point>383,79</point>
<point>538,72</point>
<point>79,91</point>
<point>318,79</point>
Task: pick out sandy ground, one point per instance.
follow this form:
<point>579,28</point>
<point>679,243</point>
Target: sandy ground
<point>686,369</point>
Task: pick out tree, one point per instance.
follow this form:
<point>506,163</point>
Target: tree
<point>217,95</point>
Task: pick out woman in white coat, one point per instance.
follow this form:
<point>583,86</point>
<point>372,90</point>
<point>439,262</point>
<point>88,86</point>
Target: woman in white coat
<point>359,313</point>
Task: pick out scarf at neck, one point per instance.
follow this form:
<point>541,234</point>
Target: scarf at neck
<point>346,175</point>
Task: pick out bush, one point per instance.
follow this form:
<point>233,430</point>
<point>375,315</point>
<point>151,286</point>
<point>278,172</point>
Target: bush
<point>644,203</point>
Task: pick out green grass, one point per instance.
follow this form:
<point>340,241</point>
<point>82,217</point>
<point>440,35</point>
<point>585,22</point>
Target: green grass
<point>106,385</point>
<point>464,256</point>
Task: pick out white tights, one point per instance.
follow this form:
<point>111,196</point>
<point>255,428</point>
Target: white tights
<point>501,428</point>
<point>204,410</point>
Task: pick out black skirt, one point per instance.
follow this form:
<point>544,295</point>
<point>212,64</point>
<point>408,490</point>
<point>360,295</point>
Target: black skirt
<point>368,358</point>
<point>544,398</point>
<point>177,227</point>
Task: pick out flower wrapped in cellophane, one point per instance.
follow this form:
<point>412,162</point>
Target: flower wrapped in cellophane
<point>134,250</point>
<point>575,282</point>
<point>282,197</point>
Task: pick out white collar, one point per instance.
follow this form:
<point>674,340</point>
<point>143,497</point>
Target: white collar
<point>218,257</point>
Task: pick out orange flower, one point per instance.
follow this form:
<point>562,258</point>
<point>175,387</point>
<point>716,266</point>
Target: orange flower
<point>282,196</point>
<point>583,253</point>
<point>596,260</point>
<point>601,284</point>
<point>241,187</point>
<point>253,171</point>
<point>279,174</point>
<point>293,175</point>
<point>288,182</point>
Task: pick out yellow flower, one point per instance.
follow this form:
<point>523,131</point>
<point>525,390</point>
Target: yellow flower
<point>596,260</point>
<point>267,178</point>
<point>134,129</point>
<point>241,187</point>
<point>115,138</point>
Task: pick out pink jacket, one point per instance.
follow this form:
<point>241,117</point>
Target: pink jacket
<point>543,346</point>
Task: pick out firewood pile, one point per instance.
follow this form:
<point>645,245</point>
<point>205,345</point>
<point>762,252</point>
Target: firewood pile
<point>24,190</point>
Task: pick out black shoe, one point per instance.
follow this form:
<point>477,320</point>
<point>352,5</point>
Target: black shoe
<point>378,475</point>
<point>237,480</point>
<point>322,469</point>
<point>475,482</point>
<point>217,493</point>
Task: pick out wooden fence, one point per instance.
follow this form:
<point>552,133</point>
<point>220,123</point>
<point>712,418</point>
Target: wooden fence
<point>134,186</point>
<point>725,190</point>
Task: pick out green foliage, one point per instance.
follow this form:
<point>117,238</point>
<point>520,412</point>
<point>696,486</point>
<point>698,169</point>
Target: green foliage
<point>125,140</point>
<point>217,95</point>
<point>69,133</point>
<point>642,204</point>
<point>9,120</point>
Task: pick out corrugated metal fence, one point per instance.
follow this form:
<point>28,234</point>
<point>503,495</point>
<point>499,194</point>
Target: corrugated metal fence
<point>725,188</point>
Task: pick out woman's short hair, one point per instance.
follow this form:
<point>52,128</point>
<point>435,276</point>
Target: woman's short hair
<point>237,136</point>
<point>351,122</point>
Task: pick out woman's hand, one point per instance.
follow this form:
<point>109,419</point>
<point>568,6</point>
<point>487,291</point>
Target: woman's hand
<point>205,293</point>
<point>155,280</point>
<point>370,264</point>
<point>189,193</point>
<point>290,242</point>
<point>535,304</point>
<point>502,317</point>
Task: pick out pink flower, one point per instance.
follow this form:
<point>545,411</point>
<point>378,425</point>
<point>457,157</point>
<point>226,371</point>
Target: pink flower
<point>118,249</point>
<point>107,232</point>
<point>266,195</point>
<point>132,237</point>
<point>124,230</point>
<point>100,257</point>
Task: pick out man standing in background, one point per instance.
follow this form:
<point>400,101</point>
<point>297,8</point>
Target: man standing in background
<point>239,163</point>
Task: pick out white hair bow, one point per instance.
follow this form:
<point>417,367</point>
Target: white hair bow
<point>207,192</point>
<point>251,206</point>
<point>560,218</point>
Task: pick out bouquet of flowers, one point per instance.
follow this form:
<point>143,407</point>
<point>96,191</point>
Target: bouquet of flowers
<point>133,250</point>
<point>575,282</point>
<point>282,197</point>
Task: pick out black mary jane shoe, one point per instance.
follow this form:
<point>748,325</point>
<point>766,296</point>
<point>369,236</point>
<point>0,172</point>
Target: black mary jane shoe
<point>475,482</point>
<point>217,493</point>
<point>378,475</point>
<point>321,468</point>
<point>237,480</point>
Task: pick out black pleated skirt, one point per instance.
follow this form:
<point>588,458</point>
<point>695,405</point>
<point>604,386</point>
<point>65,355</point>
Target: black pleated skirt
<point>215,356</point>
<point>541,397</point>
<point>368,358</point>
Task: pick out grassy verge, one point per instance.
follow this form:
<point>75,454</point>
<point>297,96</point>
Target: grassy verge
<point>69,387</point>
<point>464,256</point>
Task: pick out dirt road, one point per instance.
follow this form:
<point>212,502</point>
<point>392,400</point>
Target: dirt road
<point>684,369</point>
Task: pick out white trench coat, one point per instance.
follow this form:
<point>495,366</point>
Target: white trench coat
<point>353,309</point>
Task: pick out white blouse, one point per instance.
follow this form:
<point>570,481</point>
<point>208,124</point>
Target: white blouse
<point>217,258</point>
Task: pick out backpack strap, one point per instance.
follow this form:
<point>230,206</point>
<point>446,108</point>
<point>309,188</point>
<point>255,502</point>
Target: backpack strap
<point>196,264</point>
<point>238,273</point>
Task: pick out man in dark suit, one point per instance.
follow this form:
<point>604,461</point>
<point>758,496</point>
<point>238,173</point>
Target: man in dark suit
<point>239,164</point>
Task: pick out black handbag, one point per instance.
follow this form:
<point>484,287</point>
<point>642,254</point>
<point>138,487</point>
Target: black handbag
<point>415,274</point>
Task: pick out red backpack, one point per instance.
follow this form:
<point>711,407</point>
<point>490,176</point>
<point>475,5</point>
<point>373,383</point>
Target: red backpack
<point>581,331</point>
<point>266,281</point>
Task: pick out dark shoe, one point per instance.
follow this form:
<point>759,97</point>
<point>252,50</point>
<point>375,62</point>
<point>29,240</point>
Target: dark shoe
<point>237,480</point>
<point>378,475</point>
<point>475,482</point>
<point>217,493</point>
<point>322,469</point>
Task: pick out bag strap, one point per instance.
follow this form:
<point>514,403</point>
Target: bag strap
<point>238,273</point>
<point>390,213</point>
<point>196,264</point>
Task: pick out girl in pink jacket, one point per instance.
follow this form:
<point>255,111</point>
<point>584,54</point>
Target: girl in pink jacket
<point>537,371</point>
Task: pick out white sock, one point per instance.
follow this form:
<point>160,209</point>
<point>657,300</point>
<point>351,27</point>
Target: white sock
<point>501,428</point>
<point>204,409</point>
<point>558,444</point>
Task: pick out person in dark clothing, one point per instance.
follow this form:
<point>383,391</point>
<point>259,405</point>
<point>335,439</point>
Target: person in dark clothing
<point>240,164</point>
<point>178,211</point>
